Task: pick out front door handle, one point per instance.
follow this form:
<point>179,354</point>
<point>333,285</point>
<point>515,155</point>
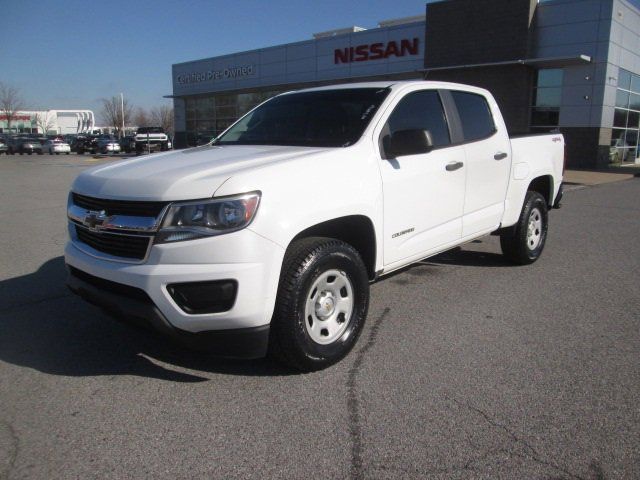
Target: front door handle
<point>500,156</point>
<point>453,166</point>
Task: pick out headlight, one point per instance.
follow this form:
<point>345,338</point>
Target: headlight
<point>204,218</point>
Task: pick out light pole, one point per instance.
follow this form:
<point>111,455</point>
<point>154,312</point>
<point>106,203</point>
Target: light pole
<point>122,105</point>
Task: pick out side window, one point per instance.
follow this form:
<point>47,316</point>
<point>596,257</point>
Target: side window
<point>420,110</point>
<point>475,115</point>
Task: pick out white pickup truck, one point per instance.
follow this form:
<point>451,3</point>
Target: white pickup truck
<point>150,138</point>
<point>266,240</point>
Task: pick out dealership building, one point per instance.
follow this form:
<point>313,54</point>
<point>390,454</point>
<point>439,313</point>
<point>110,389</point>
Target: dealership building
<point>48,122</point>
<point>567,65</point>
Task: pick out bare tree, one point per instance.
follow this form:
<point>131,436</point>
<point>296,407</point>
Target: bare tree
<point>112,112</point>
<point>11,102</point>
<point>162,116</point>
<point>44,121</point>
<point>141,118</point>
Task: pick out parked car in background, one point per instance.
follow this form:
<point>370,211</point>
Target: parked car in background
<point>3,146</point>
<point>12,143</point>
<point>69,139</point>
<point>23,145</point>
<point>56,146</point>
<point>128,144</point>
<point>85,143</point>
<point>108,144</point>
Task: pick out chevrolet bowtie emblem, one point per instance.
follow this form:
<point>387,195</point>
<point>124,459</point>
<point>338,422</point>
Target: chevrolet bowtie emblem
<point>94,219</point>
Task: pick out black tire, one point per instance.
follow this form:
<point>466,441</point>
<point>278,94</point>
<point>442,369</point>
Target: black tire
<point>305,262</point>
<point>517,245</point>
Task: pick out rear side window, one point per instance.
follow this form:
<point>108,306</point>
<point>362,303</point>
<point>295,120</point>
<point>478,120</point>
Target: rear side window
<point>475,115</point>
<point>421,110</point>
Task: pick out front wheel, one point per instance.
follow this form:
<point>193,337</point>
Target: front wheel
<point>322,304</point>
<point>523,244</point>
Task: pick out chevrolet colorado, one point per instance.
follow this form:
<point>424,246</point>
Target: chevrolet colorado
<point>266,239</point>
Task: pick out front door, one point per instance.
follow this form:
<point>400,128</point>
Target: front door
<point>424,193</point>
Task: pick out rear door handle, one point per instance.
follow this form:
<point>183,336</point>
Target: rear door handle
<point>500,156</point>
<point>453,166</point>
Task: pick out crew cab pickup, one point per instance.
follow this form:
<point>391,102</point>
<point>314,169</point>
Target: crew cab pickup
<point>265,241</point>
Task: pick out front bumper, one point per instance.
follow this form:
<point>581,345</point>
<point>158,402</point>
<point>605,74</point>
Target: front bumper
<point>135,306</point>
<point>250,260</point>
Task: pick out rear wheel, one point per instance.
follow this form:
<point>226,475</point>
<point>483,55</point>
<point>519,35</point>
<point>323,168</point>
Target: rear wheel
<point>523,244</point>
<point>322,304</point>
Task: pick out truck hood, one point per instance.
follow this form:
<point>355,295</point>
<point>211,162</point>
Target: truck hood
<point>180,175</point>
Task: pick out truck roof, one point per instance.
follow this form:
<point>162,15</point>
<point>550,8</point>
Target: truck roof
<point>394,85</point>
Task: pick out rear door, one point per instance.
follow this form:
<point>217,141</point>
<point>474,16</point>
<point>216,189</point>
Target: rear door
<point>424,193</point>
<point>488,161</point>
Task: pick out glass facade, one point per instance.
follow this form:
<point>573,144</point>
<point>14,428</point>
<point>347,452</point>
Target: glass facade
<point>207,117</point>
<point>547,95</point>
<point>21,123</point>
<point>626,120</point>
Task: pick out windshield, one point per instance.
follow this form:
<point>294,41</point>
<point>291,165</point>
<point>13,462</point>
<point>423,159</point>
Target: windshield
<point>325,118</point>
<point>150,130</point>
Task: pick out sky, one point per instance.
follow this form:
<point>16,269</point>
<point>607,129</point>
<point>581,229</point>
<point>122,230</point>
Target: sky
<point>70,53</point>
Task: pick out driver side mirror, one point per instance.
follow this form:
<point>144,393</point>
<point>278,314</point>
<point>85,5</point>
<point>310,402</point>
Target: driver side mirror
<point>409,142</point>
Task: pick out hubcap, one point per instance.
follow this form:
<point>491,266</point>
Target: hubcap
<point>534,229</point>
<point>329,307</point>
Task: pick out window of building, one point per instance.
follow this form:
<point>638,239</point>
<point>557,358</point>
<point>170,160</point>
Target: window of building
<point>207,117</point>
<point>547,96</point>
<point>475,115</point>
<point>421,110</point>
<point>626,120</point>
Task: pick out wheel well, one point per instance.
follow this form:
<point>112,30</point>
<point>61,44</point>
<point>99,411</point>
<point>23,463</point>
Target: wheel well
<point>356,230</point>
<point>544,186</point>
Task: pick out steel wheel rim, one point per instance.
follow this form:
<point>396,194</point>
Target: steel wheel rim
<point>328,307</point>
<point>534,229</point>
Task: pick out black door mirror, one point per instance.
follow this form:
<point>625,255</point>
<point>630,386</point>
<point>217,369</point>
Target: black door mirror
<point>409,142</point>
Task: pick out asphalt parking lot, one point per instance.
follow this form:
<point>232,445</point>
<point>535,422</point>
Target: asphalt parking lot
<point>468,367</point>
